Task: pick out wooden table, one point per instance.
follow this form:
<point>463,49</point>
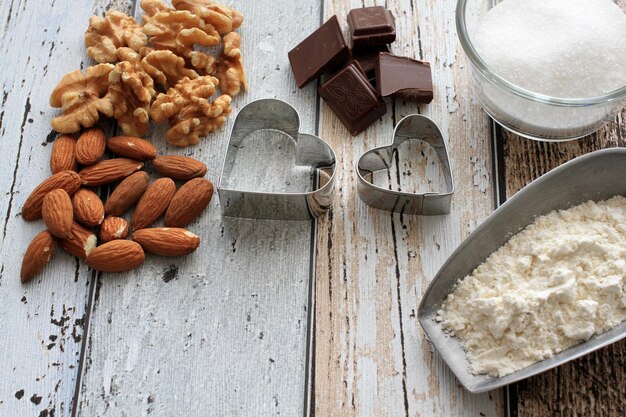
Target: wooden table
<point>268,317</point>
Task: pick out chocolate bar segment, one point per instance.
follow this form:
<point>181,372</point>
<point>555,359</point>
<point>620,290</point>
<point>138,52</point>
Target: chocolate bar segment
<point>406,77</point>
<point>371,26</point>
<point>351,97</point>
<point>368,58</point>
<point>324,50</point>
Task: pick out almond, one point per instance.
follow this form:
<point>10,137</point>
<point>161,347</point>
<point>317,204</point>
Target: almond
<point>167,241</point>
<point>153,203</point>
<point>88,208</point>
<point>80,243</point>
<point>126,194</point>
<point>65,180</point>
<point>116,256</point>
<point>113,228</point>
<point>63,155</point>
<point>57,214</point>
<point>108,171</point>
<point>179,167</point>
<point>132,147</point>
<point>37,255</point>
<point>188,202</point>
<point>90,146</point>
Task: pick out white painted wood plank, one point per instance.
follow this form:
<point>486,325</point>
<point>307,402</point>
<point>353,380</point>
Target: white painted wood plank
<point>42,322</point>
<point>223,331</point>
<point>372,267</point>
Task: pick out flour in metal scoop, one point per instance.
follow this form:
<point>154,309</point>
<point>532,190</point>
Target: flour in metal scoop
<point>553,285</point>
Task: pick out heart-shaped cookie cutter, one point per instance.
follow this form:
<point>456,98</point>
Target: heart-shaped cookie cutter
<point>414,126</point>
<point>277,115</point>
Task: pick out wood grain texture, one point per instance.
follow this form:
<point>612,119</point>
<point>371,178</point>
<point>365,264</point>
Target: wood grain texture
<point>594,385</point>
<point>42,322</point>
<point>371,357</point>
<point>224,330</point>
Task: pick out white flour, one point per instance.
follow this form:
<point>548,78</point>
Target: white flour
<point>554,285</point>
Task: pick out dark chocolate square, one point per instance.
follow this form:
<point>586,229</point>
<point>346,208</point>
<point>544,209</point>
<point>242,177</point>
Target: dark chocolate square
<point>351,97</point>
<point>324,50</point>
<point>371,26</point>
<point>402,76</point>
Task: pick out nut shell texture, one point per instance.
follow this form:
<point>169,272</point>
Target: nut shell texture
<point>88,208</point>
<point>179,167</point>
<point>126,194</point>
<point>188,202</point>
<point>90,146</point>
<point>57,213</point>
<point>37,255</point>
<point>65,180</point>
<point>108,171</point>
<point>167,241</point>
<point>63,156</point>
<point>116,256</point>
<point>153,203</point>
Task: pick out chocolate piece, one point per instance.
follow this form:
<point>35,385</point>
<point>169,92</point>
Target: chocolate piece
<point>351,97</point>
<point>371,26</point>
<point>367,58</point>
<point>322,51</point>
<point>397,75</point>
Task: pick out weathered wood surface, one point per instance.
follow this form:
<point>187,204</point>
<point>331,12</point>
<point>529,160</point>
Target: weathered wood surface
<point>594,385</point>
<point>371,357</point>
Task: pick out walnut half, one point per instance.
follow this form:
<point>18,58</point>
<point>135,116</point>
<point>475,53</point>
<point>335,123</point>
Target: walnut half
<point>131,93</point>
<point>115,30</point>
<point>190,113</point>
<point>229,67</point>
<point>82,97</point>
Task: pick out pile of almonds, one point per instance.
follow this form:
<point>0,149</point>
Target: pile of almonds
<point>72,210</point>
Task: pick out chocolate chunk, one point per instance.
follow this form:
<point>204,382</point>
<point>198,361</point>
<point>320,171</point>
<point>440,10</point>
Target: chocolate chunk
<point>324,50</point>
<point>367,58</point>
<point>351,97</point>
<point>371,26</point>
<point>397,75</point>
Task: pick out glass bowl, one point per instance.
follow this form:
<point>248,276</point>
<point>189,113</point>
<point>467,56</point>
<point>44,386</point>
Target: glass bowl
<point>527,113</point>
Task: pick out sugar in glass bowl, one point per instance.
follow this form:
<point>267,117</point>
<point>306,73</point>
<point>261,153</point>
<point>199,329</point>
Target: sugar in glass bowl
<point>530,113</point>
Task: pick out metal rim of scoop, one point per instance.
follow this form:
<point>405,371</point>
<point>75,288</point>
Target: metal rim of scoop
<point>414,126</point>
<point>278,115</point>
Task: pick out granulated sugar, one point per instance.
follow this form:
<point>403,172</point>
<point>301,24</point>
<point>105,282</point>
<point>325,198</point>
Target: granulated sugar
<point>561,48</point>
<point>554,285</point>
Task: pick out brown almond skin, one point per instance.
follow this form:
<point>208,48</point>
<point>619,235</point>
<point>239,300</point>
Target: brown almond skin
<point>80,243</point>
<point>179,167</point>
<point>167,241</point>
<point>153,203</point>
<point>57,213</point>
<point>63,156</point>
<point>132,147</point>
<point>113,228</point>
<point>189,201</point>
<point>88,208</point>
<point>116,256</point>
<point>65,180</point>
<point>126,194</point>
<point>90,146</point>
<point>37,255</point>
<point>108,171</point>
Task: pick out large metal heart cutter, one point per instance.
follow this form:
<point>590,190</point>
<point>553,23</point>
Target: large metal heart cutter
<point>264,118</point>
<point>414,126</point>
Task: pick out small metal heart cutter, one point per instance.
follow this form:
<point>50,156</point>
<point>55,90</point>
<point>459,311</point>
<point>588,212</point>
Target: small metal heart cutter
<point>272,115</point>
<point>414,126</point>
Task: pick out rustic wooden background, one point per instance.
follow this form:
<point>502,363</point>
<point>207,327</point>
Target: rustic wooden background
<point>268,317</point>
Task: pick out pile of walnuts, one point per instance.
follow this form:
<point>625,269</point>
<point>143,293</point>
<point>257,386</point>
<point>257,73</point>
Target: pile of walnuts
<point>153,71</point>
